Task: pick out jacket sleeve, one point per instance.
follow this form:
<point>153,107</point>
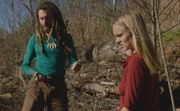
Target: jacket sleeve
<point>72,56</point>
<point>135,83</point>
<point>29,55</point>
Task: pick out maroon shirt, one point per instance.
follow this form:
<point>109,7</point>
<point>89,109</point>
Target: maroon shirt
<point>138,88</point>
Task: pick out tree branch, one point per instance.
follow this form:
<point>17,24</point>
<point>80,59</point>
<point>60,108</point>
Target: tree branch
<point>168,13</point>
<point>147,11</point>
<point>170,28</point>
<point>164,59</point>
<point>165,7</point>
<point>29,9</point>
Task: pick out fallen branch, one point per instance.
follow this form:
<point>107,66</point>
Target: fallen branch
<point>108,83</point>
<point>95,87</point>
<point>5,96</point>
<point>7,106</point>
<point>175,81</point>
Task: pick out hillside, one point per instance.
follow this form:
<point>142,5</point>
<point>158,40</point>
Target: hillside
<point>100,71</point>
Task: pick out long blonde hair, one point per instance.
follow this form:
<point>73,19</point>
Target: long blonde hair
<point>141,41</point>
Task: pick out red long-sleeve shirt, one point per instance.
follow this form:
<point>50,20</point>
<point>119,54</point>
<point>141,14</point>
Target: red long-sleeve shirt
<point>138,88</point>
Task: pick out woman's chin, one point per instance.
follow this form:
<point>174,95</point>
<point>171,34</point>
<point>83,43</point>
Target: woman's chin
<point>123,50</point>
<point>128,52</point>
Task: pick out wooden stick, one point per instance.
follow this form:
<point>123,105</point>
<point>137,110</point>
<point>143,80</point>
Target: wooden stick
<point>107,83</point>
<point>164,60</point>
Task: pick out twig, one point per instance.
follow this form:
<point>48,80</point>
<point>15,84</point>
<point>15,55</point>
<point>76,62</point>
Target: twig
<point>148,11</point>
<point>114,5</point>
<point>107,83</point>
<point>20,76</point>
<point>144,9</point>
<point>6,106</point>
<point>5,96</point>
<point>175,81</point>
<point>165,7</point>
<point>170,28</point>
<point>164,60</point>
<point>168,13</point>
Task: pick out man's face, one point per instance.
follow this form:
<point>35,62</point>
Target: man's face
<point>45,20</point>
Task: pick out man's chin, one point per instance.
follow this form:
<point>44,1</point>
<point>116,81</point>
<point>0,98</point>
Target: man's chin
<point>46,29</point>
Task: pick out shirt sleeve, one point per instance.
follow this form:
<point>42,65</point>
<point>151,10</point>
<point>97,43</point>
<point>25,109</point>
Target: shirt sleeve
<point>134,84</point>
<point>29,55</point>
<point>72,56</point>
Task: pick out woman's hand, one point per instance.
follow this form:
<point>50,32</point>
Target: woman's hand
<point>124,109</point>
<point>76,66</point>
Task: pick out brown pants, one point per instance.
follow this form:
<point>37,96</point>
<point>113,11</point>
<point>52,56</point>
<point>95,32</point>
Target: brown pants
<point>35,99</point>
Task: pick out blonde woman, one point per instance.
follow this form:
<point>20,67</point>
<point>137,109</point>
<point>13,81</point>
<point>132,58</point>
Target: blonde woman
<point>139,86</point>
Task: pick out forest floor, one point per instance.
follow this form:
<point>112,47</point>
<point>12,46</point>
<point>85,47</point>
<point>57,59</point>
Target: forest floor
<point>86,88</point>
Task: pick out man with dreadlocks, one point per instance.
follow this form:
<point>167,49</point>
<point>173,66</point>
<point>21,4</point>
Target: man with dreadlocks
<point>50,47</point>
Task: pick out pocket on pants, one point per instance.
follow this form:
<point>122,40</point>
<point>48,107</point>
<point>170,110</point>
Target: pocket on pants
<point>33,90</point>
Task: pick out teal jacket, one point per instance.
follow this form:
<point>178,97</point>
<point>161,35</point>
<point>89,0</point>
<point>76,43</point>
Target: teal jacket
<point>48,63</point>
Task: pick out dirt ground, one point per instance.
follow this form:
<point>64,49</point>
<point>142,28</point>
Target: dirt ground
<point>86,87</point>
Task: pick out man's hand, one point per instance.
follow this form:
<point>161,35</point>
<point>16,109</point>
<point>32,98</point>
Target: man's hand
<point>38,77</point>
<point>76,66</point>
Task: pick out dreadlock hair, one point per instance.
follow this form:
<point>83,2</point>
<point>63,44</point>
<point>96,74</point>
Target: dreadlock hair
<point>58,29</point>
